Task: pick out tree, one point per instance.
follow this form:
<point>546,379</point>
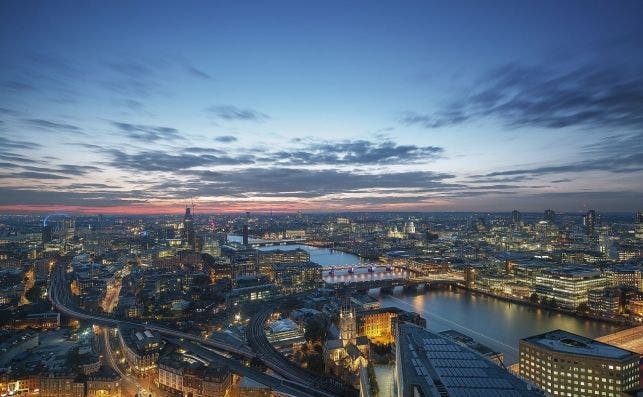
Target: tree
<point>315,330</point>
<point>534,298</point>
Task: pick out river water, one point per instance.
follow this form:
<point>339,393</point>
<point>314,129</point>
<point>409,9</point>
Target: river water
<point>493,322</point>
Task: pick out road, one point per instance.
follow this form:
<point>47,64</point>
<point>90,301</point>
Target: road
<point>274,360</point>
<point>281,386</point>
<point>60,300</point>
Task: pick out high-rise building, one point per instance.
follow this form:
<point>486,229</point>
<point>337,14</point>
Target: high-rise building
<point>565,364</point>
<point>47,234</point>
<point>188,228</point>
<point>589,222</point>
<point>70,228</point>
<point>638,232</point>
<point>245,234</point>
<point>516,218</point>
<point>550,216</point>
<point>429,364</point>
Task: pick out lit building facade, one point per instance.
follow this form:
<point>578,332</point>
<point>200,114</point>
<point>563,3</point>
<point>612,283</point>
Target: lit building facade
<point>566,364</point>
<point>297,277</point>
<point>570,286</point>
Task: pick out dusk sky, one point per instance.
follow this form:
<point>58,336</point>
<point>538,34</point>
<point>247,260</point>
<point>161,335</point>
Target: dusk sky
<point>142,107</point>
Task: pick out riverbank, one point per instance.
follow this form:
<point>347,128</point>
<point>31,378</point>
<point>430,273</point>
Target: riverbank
<point>494,322</point>
<point>586,316</point>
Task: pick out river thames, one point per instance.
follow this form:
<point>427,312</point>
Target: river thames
<point>496,323</point>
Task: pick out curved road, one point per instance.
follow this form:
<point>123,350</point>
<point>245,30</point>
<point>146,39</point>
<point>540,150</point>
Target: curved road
<point>301,386</point>
<point>277,362</point>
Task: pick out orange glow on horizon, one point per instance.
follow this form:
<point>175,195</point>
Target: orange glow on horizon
<point>211,208</point>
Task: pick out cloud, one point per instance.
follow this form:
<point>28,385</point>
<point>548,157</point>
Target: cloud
<point>53,125</point>
<point>543,96</point>
<point>23,196</point>
<point>625,164</point>
<point>7,143</point>
<point>131,69</point>
<point>15,85</point>
<point>298,182</point>
<point>226,138</point>
<point>33,175</point>
<point>233,113</point>
<point>197,72</point>
<point>156,160</point>
<point>147,133</point>
<point>357,152</point>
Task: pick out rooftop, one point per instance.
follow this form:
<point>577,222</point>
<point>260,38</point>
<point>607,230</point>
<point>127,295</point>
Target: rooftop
<point>433,365</point>
<point>567,342</point>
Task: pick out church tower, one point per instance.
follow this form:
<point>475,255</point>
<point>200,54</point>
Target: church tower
<point>347,323</point>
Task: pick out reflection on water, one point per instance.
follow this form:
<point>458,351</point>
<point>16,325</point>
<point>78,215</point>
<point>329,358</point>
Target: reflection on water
<point>493,322</point>
<point>323,256</point>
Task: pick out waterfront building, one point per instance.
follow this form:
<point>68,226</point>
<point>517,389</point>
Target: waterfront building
<point>297,277</point>
<point>605,302</point>
<point>569,286</point>
<point>265,259</point>
<point>626,275</point>
<point>565,364</point>
<point>431,365</point>
<point>470,274</point>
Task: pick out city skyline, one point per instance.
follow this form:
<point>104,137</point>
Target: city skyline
<point>144,108</point>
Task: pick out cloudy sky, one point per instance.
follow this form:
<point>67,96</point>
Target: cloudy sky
<point>109,107</point>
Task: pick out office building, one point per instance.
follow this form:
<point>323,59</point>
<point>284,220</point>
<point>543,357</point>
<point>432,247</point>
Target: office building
<point>550,216</point>
<point>516,218</point>
<point>188,229</point>
<point>431,365</point>
<point>297,277</point>
<point>589,222</point>
<point>569,286</point>
<point>565,364</point>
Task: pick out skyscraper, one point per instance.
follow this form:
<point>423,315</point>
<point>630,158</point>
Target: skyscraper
<point>188,228</point>
<point>550,216</point>
<point>589,222</point>
<point>47,233</point>
<point>516,218</point>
